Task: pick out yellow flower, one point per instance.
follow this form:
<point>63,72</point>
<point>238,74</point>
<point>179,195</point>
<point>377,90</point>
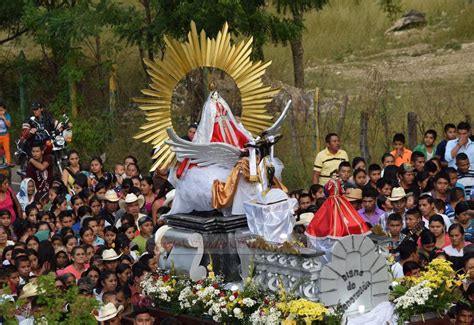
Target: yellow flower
<point>288,322</point>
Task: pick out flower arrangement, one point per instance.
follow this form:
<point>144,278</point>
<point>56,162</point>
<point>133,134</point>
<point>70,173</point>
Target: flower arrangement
<point>434,291</point>
<point>302,311</point>
<point>164,289</point>
<point>209,298</point>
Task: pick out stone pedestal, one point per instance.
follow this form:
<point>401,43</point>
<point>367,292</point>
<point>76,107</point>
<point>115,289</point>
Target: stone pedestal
<point>356,273</point>
<point>219,241</point>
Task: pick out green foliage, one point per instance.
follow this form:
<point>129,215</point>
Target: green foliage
<point>93,133</point>
<point>146,26</point>
<point>453,45</point>
<point>392,8</point>
<point>66,308</point>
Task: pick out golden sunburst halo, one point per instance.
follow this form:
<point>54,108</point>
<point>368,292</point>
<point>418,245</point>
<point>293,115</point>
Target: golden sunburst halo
<point>198,52</point>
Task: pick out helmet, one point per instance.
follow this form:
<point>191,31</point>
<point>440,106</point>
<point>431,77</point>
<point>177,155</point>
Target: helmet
<point>36,105</point>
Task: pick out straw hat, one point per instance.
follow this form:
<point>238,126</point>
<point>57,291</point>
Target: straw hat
<point>159,235</point>
<point>29,290</point>
<point>169,197</point>
<point>111,196</point>
<point>397,194</point>
<point>305,219</point>
<point>353,194</point>
<point>131,198</point>
<point>110,255</point>
<point>107,312</point>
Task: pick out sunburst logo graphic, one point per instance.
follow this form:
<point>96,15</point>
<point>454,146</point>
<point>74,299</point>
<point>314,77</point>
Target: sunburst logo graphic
<point>199,52</point>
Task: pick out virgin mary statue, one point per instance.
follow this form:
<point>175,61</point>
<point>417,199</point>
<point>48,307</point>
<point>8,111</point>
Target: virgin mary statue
<point>218,124</point>
<point>193,183</point>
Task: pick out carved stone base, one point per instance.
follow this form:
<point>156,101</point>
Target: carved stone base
<point>217,241</point>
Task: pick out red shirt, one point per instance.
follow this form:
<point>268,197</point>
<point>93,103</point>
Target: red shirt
<point>43,179</point>
<point>7,203</point>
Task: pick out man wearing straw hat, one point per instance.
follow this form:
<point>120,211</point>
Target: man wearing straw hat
<point>109,314</point>
<point>110,207</point>
<point>132,204</point>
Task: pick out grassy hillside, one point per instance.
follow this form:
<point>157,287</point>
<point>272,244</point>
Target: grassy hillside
<point>428,71</point>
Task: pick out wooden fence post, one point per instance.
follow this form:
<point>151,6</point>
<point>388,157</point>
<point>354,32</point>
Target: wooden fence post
<point>317,139</point>
<point>364,135</point>
<point>21,84</point>
<point>113,88</point>
<point>412,121</point>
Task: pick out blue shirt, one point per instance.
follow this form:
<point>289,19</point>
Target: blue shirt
<point>469,233</point>
<point>468,149</point>
<point>3,125</point>
<point>441,149</point>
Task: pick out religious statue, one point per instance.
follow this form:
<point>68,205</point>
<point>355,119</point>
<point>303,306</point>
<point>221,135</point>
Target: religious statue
<point>230,159</point>
<point>224,166</point>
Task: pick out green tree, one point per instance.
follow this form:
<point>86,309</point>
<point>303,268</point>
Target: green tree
<point>290,30</point>
<point>10,20</point>
<point>145,23</point>
<point>63,30</point>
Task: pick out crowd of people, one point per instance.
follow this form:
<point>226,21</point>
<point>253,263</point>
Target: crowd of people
<point>423,199</point>
<point>102,231</point>
<point>91,228</point>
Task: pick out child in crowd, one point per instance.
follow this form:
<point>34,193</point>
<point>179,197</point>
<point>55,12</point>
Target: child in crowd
<point>400,152</point>
<point>375,172</point>
<point>395,225</point>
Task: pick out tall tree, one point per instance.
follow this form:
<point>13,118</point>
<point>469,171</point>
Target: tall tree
<point>62,30</point>
<point>291,30</point>
<point>146,22</point>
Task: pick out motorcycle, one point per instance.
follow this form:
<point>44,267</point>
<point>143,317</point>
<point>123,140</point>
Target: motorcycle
<point>55,143</point>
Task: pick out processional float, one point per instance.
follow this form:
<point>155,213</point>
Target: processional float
<point>230,204</point>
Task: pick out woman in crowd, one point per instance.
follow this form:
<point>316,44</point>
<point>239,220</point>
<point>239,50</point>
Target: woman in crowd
<point>72,169</point>
<point>27,192</point>
<point>456,234</point>
<point>79,265</point>
<point>148,192</point>
<point>438,229</point>
<point>59,205</point>
<point>8,199</point>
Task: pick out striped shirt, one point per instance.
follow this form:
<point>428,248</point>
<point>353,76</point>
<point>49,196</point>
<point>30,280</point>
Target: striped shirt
<point>326,162</point>
<point>467,179</point>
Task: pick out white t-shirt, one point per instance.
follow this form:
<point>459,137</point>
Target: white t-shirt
<point>397,270</point>
<point>451,251</point>
<point>446,220</point>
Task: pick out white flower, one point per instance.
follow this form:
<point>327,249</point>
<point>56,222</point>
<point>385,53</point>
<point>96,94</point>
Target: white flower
<point>238,313</point>
<point>417,294</point>
<point>231,298</point>
<point>249,302</point>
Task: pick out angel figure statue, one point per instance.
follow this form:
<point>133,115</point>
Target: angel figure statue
<point>224,166</point>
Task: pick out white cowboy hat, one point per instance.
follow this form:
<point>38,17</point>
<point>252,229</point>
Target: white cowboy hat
<point>353,194</point>
<point>29,290</point>
<point>159,235</point>
<point>110,255</point>
<point>111,196</point>
<point>397,194</point>
<point>107,312</point>
<point>130,198</point>
<point>305,219</point>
